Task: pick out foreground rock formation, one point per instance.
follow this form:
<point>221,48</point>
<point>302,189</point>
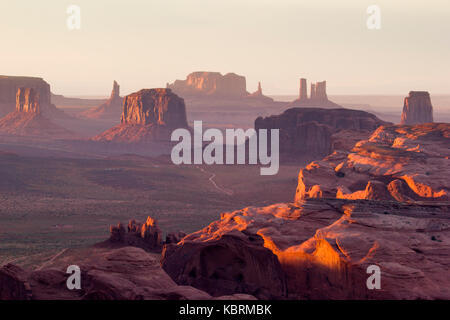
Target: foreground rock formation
<point>107,273</point>
<point>324,247</point>
<point>316,132</point>
<point>397,163</point>
<point>111,109</point>
<point>417,108</point>
<point>29,118</point>
<point>148,115</point>
<point>318,96</point>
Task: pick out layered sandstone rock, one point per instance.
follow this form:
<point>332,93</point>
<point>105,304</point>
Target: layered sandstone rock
<point>107,273</point>
<point>111,109</point>
<point>315,132</point>
<point>9,86</point>
<point>27,100</point>
<point>402,163</point>
<point>148,115</point>
<point>30,118</point>
<point>324,247</point>
<point>417,108</point>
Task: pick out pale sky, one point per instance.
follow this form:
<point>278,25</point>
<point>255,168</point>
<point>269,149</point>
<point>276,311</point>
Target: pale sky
<point>146,43</point>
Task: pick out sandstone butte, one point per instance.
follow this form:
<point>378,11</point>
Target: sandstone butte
<point>148,115</point>
<point>111,109</point>
<point>316,132</point>
<point>318,96</point>
<point>30,117</point>
<point>417,108</point>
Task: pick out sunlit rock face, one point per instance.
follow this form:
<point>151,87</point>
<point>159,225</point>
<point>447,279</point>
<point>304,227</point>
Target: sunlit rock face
<point>27,100</point>
<point>316,132</point>
<point>399,163</point>
<point>148,115</point>
<point>229,85</point>
<point>324,247</point>
<point>417,108</point>
<point>31,118</point>
<point>9,86</point>
<point>154,106</point>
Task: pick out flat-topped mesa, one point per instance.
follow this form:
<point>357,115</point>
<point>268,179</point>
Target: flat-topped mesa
<point>210,83</point>
<point>9,86</point>
<point>303,90</point>
<point>28,100</point>
<point>417,108</point>
<point>154,106</point>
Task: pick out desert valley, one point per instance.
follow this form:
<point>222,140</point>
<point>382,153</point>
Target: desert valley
<point>91,182</point>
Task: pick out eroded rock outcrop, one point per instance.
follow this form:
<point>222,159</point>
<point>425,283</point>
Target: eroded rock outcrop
<point>210,84</point>
<point>315,132</point>
<point>111,109</point>
<point>324,247</point>
<point>30,118</point>
<point>417,108</point>
<point>144,235</point>
<point>402,163</point>
<point>148,115</point>
<point>318,96</point>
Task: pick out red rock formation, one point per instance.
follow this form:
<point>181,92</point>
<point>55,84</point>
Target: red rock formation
<point>225,265</point>
<point>146,235</point>
<point>30,118</point>
<point>405,163</point>
<point>111,109</point>
<point>318,97</point>
<point>108,273</point>
<point>27,100</point>
<point>324,247</point>
<point>8,90</point>
<point>310,131</point>
<point>201,83</point>
<point>417,108</point>
<point>303,90</point>
<point>148,115</point>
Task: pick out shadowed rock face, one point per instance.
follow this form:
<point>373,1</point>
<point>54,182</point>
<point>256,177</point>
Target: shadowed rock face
<point>402,163</point>
<point>310,131</point>
<point>148,115</point>
<point>417,108</point>
<point>210,84</point>
<point>225,265</point>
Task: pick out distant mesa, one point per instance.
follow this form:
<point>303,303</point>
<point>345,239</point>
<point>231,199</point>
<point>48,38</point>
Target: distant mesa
<point>111,109</point>
<point>148,115</point>
<point>417,108</point>
<point>215,85</point>
<point>316,132</point>
<point>318,96</point>
<point>8,90</point>
<point>29,120</point>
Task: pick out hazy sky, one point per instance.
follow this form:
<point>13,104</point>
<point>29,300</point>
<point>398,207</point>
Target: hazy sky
<point>144,44</point>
